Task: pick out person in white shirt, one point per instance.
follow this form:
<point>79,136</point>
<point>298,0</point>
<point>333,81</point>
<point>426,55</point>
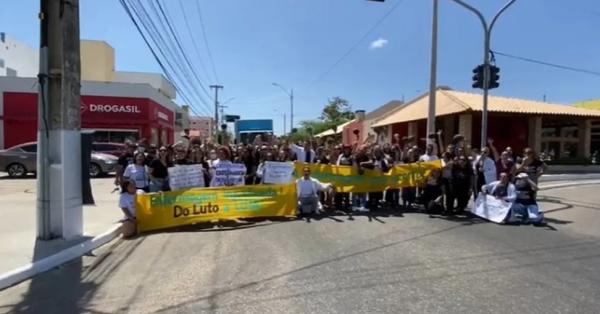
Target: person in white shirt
<point>304,154</point>
<point>485,168</point>
<point>137,172</point>
<point>502,189</point>
<point>308,192</point>
<point>429,154</point>
<point>127,205</point>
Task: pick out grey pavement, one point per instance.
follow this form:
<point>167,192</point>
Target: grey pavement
<point>18,245</point>
<point>388,263</point>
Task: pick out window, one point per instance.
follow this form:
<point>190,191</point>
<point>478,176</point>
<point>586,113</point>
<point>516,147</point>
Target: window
<point>30,148</point>
<point>11,72</point>
<point>1,63</point>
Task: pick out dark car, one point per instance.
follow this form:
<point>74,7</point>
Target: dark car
<point>115,149</point>
<point>20,160</point>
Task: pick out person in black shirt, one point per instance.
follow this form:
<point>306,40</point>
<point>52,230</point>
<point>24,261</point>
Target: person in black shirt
<point>462,174</point>
<point>158,171</point>
<point>124,160</point>
<point>525,208</point>
<point>532,165</point>
<point>342,200</point>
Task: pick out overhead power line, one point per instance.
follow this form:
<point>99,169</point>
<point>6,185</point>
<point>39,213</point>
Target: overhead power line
<point>181,48</point>
<point>210,58</point>
<point>160,63</point>
<point>554,65</point>
<point>356,44</point>
<point>166,47</point>
<point>192,37</point>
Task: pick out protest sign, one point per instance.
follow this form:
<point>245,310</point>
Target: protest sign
<point>278,172</point>
<point>186,176</point>
<point>491,208</point>
<point>348,179</point>
<point>190,206</point>
<point>228,174</point>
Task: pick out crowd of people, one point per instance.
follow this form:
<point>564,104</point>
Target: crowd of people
<point>465,173</point>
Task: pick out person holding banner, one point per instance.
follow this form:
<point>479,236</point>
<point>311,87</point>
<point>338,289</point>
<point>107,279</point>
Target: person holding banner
<point>158,171</point>
<point>127,205</point>
<point>502,189</point>
<point>308,189</point>
<point>342,200</point>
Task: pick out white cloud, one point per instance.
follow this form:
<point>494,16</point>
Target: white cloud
<point>379,43</point>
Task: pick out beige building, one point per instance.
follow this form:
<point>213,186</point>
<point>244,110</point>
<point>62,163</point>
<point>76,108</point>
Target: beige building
<point>557,130</point>
<point>202,127</point>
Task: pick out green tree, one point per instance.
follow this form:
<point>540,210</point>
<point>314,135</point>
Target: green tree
<point>337,111</point>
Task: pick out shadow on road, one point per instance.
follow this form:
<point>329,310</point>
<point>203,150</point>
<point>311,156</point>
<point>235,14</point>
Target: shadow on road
<point>70,287</point>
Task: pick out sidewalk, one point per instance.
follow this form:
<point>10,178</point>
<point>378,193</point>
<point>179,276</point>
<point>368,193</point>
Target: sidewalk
<point>18,245</point>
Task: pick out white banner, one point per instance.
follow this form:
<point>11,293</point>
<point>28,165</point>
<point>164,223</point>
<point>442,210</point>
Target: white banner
<point>186,176</point>
<point>278,172</point>
<point>228,174</point>
<point>491,208</point>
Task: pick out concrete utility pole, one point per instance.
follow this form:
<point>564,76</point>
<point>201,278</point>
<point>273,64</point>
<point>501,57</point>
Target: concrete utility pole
<point>487,32</point>
<point>59,201</point>
<point>433,71</point>
<point>216,87</point>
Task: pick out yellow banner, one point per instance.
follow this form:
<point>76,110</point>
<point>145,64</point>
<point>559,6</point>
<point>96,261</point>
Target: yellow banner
<point>190,206</point>
<point>347,178</point>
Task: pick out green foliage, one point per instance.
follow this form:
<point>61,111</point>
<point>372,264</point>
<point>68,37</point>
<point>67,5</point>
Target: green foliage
<point>336,112</point>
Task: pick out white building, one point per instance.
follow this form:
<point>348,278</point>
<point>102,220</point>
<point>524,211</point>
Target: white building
<point>16,58</point>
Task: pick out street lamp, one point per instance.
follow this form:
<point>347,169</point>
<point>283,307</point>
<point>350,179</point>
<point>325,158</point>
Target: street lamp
<point>222,107</point>
<point>291,94</point>
<point>487,31</point>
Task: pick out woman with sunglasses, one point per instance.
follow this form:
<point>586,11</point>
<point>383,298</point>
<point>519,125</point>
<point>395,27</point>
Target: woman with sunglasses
<point>158,171</point>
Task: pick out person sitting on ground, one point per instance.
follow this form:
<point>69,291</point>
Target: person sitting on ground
<point>127,205</point>
<point>308,189</point>
<point>433,195</point>
<point>502,189</point>
<point>525,208</point>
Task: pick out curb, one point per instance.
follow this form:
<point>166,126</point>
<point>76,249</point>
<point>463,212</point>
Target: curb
<point>564,185</point>
<point>25,272</point>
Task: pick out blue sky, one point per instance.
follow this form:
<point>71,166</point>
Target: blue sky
<point>292,42</point>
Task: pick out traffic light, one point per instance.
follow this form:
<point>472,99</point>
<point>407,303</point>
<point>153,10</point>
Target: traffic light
<point>494,77</point>
<point>478,77</point>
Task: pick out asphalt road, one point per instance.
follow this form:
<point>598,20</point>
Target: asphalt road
<point>381,264</point>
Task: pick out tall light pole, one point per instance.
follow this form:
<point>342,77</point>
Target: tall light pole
<point>433,71</point>
<point>216,87</point>
<point>291,94</point>
<point>487,31</point>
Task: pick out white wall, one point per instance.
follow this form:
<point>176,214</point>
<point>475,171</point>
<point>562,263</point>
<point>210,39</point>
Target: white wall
<point>17,56</point>
<point>155,80</point>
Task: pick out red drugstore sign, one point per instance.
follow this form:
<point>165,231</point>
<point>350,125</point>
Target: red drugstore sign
<point>114,108</point>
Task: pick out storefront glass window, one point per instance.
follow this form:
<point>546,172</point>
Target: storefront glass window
<point>115,136</point>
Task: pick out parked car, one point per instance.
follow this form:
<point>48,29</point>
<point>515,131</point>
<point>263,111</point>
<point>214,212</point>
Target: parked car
<point>115,149</point>
<point>20,160</point>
